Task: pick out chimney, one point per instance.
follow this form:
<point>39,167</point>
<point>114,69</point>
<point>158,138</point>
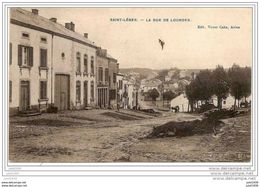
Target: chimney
<point>70,26</point>
<point>86,35</point>
<point>54,20</point>
<point>35,11</point>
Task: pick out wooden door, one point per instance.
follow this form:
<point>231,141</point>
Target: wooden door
<point>25,95</point>
<point>62,91</point>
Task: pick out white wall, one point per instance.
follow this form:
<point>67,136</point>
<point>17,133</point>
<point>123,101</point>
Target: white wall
<point>15,75</point>
<point>65,65</point>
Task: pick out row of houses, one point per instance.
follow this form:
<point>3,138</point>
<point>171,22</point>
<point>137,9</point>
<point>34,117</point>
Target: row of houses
<point>52,65</point>
<point>227,103</point>
<point>127,92</point>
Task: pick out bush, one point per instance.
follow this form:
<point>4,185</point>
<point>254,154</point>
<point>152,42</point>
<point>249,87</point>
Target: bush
<point>206,107</point>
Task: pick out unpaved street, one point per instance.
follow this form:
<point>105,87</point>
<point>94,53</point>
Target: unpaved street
<point>111,136</point>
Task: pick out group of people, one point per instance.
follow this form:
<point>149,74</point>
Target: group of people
<point>175,109</point>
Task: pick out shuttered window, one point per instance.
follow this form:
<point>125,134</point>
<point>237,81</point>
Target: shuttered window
<point>92,90</point>
<point>43,89</point>
<point>92,65</point>
<point>100,74</point>
<point>86,63</point>
<point>43,57</point>
<point>106,74</point>
<point>114,77</point>
<point>78,91</point>
<point>10,53</point>
<point>78,62</point>
<point>120,84</point>
<point>25,55</point>
<point>10,91</point>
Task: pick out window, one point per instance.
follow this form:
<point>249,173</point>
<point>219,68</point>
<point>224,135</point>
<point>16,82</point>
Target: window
<point>106,74</point>
<point>63,56</point>
<point>120,84</point>
<point>10,91</point>
<point>92,90</point>
<point>43,89</point>
<point>43,57</point>
<point>114,77</point>
<point>112,94</point>
<point>92,65</point>
<point>10,53</point>
<point>78,91</point>
<point>25,55</point>
<point>85,63</point>
<point>100,74</point>
<point>43,39</point>
<point>78,62</point>
<point>25,35</point>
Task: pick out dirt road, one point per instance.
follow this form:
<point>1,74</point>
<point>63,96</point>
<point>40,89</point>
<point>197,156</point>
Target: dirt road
<point>111,136</point>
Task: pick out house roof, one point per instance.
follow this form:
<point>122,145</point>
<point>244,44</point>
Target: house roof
<point>25,18</point>
<point>120,74</point>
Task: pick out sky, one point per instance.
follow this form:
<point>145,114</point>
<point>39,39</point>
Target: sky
<point>135,44</point>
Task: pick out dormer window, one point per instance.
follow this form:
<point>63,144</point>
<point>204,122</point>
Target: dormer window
<point>43,39</point>
<point>63,56</point>
<point>25,35</point>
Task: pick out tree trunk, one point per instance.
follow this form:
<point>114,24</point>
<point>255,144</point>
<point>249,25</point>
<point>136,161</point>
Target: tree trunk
<point>191,106</point>
<point>219,103</point>
<point>235,104</point>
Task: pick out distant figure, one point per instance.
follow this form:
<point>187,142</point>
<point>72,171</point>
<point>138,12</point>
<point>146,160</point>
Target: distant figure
<point>161,43</point>
<point>176,109</point>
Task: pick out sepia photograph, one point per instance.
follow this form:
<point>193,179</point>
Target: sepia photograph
<point>130,84</point>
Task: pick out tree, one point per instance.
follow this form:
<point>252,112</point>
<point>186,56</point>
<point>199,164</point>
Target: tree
<point>240,82</point>
<point>203,83</point>
<point>247,82</point>
<point>168,95</point>
<point>153,93</point>
<point>220,84</point>
<point>192,93</point>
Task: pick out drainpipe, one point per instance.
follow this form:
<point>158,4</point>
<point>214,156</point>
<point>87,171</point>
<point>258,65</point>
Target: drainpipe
<point>52,70</point>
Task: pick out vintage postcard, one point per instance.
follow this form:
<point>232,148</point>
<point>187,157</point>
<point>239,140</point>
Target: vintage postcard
<point>134,85</point>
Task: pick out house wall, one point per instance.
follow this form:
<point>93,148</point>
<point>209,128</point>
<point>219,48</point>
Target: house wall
<point>17,74</point>
<point>102,86</point>
<point>61,65</point>
<point>113,69</point>
<point>182,102</point>
<point>120,91</point>
<point>81,77</point>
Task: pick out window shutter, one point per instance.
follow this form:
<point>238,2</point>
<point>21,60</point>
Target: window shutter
<point>10,91</point>
<point>10,53</point>
<point>43,53</point>
<point>19,55</point>
<point>45,89</point>
<point>30,56</point>
<point>41,90</point>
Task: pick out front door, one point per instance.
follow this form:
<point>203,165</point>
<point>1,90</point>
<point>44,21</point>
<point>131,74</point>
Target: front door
<point>86,93</point>
<point>25,95</point>
<point>62,92</point>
